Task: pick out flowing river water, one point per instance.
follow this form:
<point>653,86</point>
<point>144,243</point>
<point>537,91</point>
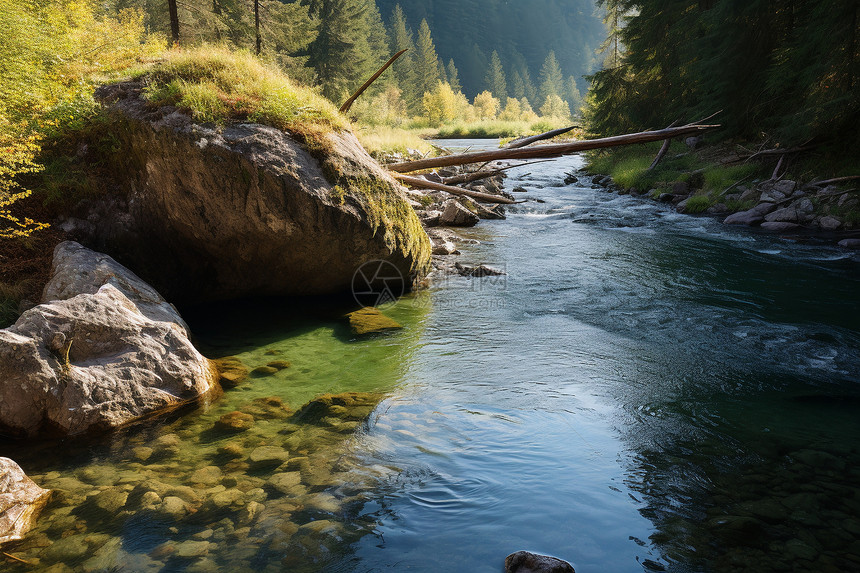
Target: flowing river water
<point>643,391</point>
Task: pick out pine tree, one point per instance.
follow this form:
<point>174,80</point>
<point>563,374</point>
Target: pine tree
<point>518,88</point>
<point>403,69</point>
<point>495,79</point>
<point>551,79</point>
<point>574,96</point>
<point>453,77</point>
<point>426,60</point>
<point>531,91</point>
<point>339,54</point>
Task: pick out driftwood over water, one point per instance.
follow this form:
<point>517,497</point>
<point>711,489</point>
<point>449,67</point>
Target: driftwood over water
<point>553,150</point>
<point>420,183</point>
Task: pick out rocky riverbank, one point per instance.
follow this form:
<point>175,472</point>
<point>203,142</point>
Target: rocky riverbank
<point>783,206</point>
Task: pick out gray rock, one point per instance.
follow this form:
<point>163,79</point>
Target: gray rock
<point>780,226</point>
<point>693,142</point>
<point>494,212</point>
<point>21,500</point>
<point>751,217</point>
<point>829,223</point>
<point>455,215</point>
<point>444,248</point>
<point>850,244</point>
<point>526,562</point>
<point>249,209</point>
<point>786,214</point>
<point>94,362</point>
<point>77,270</point>
<point>749,194</point>
<point>717,209</point>
<point>786,187</point>
<point>477,271</point>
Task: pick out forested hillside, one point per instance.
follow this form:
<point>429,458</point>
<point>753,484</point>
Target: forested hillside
<point>788,70</point>
<point>523,33</point>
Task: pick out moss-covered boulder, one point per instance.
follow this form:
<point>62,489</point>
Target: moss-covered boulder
<point>214,211</point>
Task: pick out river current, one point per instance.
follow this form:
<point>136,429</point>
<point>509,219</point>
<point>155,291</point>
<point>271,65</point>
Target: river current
<point>642,390</point>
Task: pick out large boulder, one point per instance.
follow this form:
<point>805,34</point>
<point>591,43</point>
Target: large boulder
<point>212,213</point>
<point>98,359</point>
<point>77,270</point>
<point>21,500</point>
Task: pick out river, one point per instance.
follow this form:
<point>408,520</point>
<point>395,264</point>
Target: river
<point>642,390</point>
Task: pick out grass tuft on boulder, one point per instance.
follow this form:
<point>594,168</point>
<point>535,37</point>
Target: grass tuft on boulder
<point>220,86</point>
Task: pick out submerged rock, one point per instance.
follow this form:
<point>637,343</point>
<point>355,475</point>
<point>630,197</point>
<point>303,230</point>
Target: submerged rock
<point>348,406</point>
<point>248,209</point>
<point>525,562</point>
<point>234,422</point>
<point>21,500</point>
<point>369,320</point>
<point>231,371</point>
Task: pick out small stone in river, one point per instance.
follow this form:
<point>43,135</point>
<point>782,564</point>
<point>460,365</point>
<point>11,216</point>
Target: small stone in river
<point>173,507</point>
<point>190,549</point>
<point>279,364</point>
<point>261,371</point>
<point>231,370</point>
<point>268,456</point>
<point>110,500</point>
<point>210,475</point>
<point>67,550</point>
<point>478,271</point>
<point>163,551</point>
<point>285,481</point>
<point>250,512</point>
<point>525,562</point>
<point>234,422</point>
<point>369,320</point>
<point>231,450</point>
<point>850,243</point>
<point>142,453</point>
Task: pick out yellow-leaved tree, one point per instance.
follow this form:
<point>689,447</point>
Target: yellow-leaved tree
<point>52,54</point>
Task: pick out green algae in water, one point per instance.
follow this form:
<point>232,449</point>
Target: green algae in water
<point>278,490</point>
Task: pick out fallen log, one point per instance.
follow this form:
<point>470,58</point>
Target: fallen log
<point>835,180</point>
<point>478,175</point>
<point>546,151</point>
<point>348,103</point>
<point>516,144</point>
<point>424,184</point>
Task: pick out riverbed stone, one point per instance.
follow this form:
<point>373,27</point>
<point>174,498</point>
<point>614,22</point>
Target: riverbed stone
<point>853,244</point>
<point>527,562</point>
<point>108,501</point>
<point>67,550</point>
<point>209,475</point>
<point>263,371</point>
<point>235,422</point>
<point>369,320</point>
<point>21,501</point>
<point>284,482</point>
<point>190,549</point>
<point>268,456</point>
<point>173,507</point>
<point>231,371</point>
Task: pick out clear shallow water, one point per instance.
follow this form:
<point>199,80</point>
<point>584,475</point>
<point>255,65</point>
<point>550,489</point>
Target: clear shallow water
<point>641,388</point>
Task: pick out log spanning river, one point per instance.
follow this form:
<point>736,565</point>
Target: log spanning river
<point>643,391</point>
